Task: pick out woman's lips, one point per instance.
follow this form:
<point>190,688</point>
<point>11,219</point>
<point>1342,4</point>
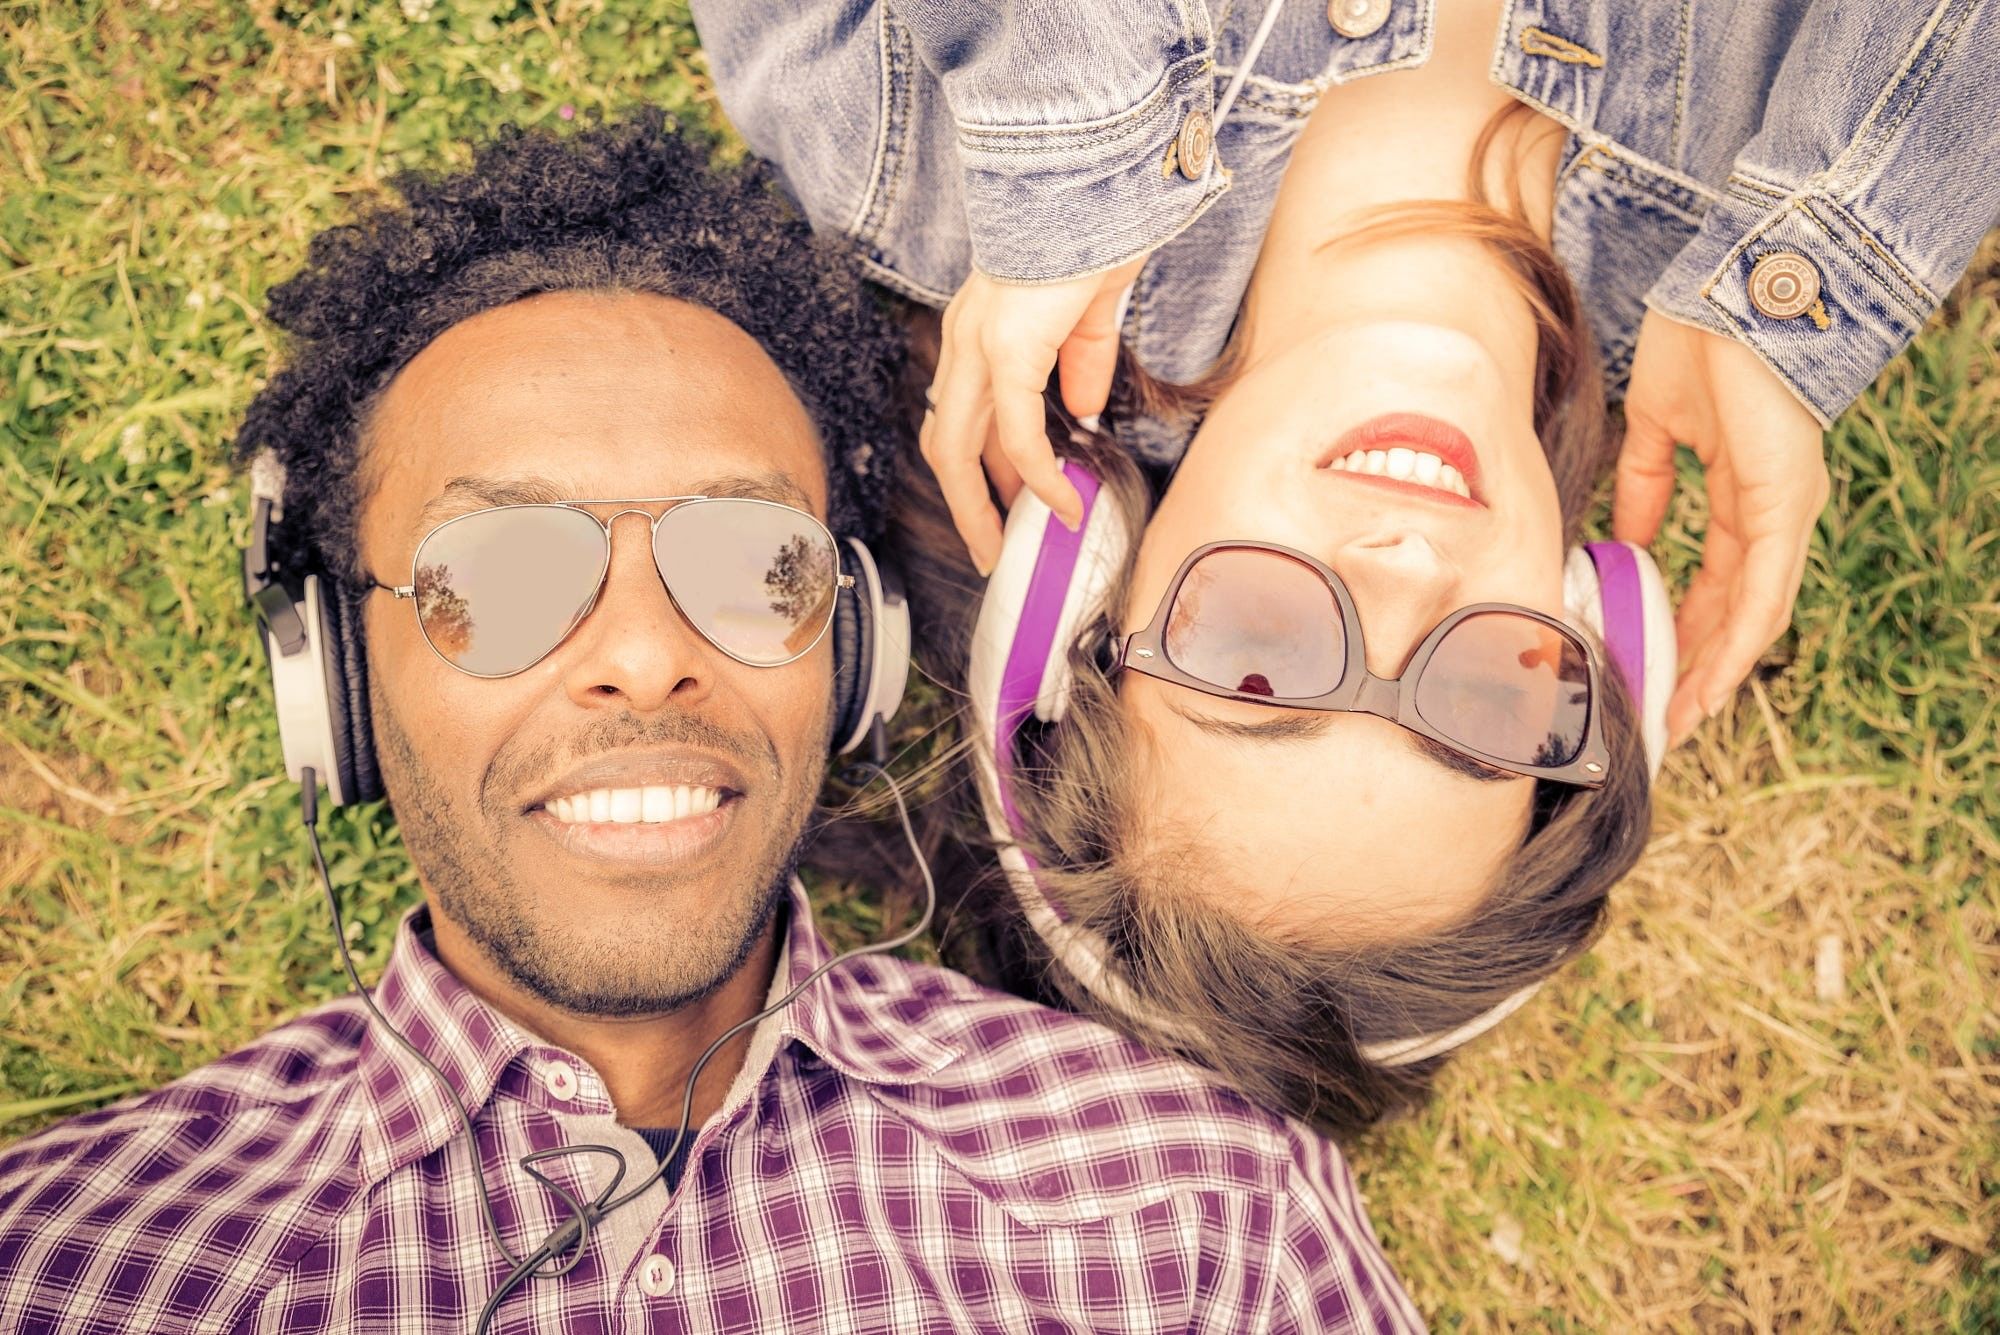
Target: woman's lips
<point>1418,433</point>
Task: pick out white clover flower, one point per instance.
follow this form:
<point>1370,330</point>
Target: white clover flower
<point>132,445</point>
<point>505,79</point>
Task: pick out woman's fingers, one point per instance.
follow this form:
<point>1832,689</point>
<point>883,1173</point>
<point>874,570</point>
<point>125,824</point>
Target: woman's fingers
<point>1000,470</point>
<point>962,481</point>
<point>1088,358</point>
<point>1645,479</point>
<point>1024,439</point>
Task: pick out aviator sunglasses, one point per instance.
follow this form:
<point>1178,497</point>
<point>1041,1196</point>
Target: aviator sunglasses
<point>1501,684</point>
<point>498,589</point>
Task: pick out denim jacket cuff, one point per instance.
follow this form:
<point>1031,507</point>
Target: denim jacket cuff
<point>1869,306</point>
<point>1047,203</point>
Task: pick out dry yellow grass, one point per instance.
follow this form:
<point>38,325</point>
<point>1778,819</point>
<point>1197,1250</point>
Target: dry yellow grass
<point>1768,1100</point>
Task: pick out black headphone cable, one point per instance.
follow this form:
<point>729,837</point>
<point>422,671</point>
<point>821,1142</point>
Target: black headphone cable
<point>573,1236</point>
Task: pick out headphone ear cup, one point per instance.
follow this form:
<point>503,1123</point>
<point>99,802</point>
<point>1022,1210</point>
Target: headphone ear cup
<point>850,665</point>
<point>871,644</point>
<point>1615,591</point>
<point>347,693</point>
<point>1044,589</point>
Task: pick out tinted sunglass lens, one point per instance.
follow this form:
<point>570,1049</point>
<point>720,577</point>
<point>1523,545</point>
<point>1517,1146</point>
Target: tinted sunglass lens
<point>757,579</point>
<point>498,589</point>
<point>1257,622</point>
<point>1512,687</point>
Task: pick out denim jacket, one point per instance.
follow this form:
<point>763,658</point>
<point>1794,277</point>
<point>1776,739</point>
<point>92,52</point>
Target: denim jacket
<point>1046,139</point>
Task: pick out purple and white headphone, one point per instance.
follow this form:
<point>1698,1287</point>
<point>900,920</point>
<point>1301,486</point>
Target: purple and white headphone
<point>1048,585</point>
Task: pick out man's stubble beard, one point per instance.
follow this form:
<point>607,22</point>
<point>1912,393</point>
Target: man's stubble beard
<point>653,967</point>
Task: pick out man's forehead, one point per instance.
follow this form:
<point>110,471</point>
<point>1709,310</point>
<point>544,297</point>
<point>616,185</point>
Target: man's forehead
<point>588,396</point>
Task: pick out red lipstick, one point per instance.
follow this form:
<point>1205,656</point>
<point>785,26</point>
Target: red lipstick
<point>1416,432</point>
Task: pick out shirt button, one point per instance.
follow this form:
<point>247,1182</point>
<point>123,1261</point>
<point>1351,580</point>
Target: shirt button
<point>1784,285</point>
<point>1191,150</point>
<point>560,1080</point>
<point>656,1276</point>
<point>1357,18</point>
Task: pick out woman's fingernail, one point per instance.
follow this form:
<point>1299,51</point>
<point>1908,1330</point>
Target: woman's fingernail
<point>1089,421</point>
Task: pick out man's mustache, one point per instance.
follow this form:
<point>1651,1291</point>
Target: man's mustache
<point>514,772</point>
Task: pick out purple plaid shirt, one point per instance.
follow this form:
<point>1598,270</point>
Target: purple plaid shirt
<point>902,1151</point>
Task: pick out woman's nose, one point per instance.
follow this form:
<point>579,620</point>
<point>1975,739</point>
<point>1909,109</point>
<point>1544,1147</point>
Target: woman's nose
<point>1403,585</point>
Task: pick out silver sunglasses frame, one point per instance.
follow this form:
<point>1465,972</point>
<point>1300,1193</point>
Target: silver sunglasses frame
<point>632,506</point>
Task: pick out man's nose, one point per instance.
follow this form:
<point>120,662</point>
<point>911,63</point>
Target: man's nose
<point>1402,586</point>
<point>635,649</point>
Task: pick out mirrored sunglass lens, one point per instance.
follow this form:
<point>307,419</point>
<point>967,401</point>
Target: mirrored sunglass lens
<point>498,589</point>
<point>1512,687</point>
<point>1257,622</point>
<point>757,579</point>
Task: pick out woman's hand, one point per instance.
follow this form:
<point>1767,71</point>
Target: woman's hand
<point>1767,482</point>
<point>1000,343</point>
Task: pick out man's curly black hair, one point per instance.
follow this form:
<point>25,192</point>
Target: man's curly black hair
<point>630,207</point>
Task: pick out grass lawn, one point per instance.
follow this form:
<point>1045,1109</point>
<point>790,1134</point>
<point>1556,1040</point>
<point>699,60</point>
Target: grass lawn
<point>1769,1099</point>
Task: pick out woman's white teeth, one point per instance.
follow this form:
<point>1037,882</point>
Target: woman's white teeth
<point>1405,465</point>
<point>650,805</point>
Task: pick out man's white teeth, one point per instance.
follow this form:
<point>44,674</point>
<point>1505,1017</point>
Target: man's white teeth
<point>1405,465</point>
<point>650,805</point>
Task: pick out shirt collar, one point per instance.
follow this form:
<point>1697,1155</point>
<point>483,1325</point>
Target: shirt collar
<point>860,1018</point>
<point>864,1018</point>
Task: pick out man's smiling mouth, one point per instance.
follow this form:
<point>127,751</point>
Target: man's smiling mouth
<point>653,804</point>
<point>654,807</point>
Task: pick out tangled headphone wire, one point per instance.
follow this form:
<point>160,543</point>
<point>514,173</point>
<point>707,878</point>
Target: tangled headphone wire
<point>573,1236</point>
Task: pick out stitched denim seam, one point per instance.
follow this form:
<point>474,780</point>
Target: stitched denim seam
<point>1681,65</point>
<point>1634,168</point>
<point>1088,134</point>
<point>1426,44</point>
<point>1851,173</point>
<point>1631,175</point>
<point>896,282</point>
<point>1862,263</point>
<point>1217,189</point>
<point>1270,98</point>
<point>860,228</point>
<point>1747,188</point>
<point>1917,285</point>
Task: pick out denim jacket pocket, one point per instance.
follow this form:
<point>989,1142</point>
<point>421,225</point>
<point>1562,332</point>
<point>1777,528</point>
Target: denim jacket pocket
<point>1619,221</point>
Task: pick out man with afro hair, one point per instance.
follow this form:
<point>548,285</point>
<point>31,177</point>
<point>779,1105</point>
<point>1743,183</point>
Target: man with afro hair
<point>552,466</point>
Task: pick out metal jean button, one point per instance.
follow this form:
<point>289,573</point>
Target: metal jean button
<point>1357,18</point>
<point>1784,285</point>
<point>1192,146</point>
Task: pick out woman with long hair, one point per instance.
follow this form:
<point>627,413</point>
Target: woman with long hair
<point>1337,763</point>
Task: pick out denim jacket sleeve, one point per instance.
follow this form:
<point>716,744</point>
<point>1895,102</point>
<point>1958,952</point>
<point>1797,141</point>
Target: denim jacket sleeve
<point>1063,111</point>
<point>1875,162</point>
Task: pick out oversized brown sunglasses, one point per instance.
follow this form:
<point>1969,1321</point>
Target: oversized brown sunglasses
<point>1499,683</point>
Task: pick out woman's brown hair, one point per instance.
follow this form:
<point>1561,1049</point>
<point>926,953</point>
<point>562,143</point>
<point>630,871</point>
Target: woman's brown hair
<point>1283,1018</point>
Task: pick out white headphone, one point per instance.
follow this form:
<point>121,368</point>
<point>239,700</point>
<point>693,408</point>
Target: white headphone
<point>1051,582</point>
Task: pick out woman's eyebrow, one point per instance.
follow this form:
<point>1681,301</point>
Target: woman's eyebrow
<point>1294,725</point>
<point>1284,725</point>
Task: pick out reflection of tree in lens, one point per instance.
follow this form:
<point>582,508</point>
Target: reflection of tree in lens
<point>442,611</point>
<point>798,588</point>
